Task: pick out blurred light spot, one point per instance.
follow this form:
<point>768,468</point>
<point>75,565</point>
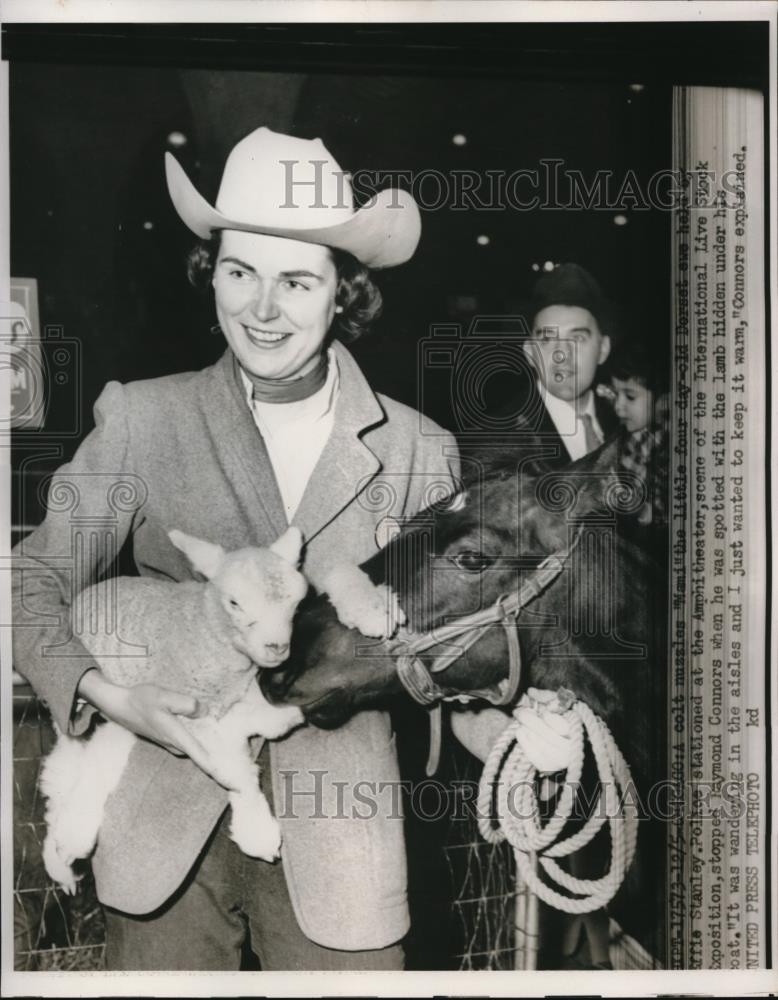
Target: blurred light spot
<point>637,87</point>
<point>548,266</point>
<point>620,220</point>
<point>536,267</point>
<point>50,212</point>
<point>148,225</point>
<point>482,241</point>
<point>459,139</point>
<point>463,303</point>
<point>176,139</point>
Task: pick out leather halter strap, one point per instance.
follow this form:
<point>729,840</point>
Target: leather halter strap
<point>416,677</point>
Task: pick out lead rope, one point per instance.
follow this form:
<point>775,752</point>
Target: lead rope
<point>509,773</point>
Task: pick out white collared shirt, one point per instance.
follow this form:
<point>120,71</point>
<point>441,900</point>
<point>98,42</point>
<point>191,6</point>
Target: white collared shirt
<point>295,433</point>
<point>566,419</point>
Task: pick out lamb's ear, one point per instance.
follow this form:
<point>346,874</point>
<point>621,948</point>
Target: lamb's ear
<point>205,557</point>
<point>289,545</point>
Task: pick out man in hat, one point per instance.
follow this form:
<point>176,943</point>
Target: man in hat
<point>559,422</point>
<point>562,419</point>
<point>283,429</point>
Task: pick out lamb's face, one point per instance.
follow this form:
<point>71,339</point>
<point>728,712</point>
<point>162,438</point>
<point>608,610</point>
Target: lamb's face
<point>259,591</point>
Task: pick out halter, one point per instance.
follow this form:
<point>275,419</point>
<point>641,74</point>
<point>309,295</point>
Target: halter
<point>416,677</point>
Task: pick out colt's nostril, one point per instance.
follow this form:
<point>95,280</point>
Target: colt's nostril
<point>277,647</point>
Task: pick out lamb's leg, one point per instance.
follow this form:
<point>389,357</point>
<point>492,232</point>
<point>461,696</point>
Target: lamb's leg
<point>252,821</point>
<point>253,827</point>
<point>371,608</point>
<point>77,779</point>
<point>59,776</point>
<point>253,715</point>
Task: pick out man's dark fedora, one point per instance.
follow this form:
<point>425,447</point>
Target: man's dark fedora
<point>570,285</point>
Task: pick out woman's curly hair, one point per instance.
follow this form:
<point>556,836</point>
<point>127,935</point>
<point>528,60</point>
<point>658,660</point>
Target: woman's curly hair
<point>356,293</point>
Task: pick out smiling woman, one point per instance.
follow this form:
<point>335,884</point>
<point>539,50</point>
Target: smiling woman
<point>275,301</point>
<point>357,298</point>
<point>283,429</point>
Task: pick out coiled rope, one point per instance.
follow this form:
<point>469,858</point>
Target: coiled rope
<point>507,795</point>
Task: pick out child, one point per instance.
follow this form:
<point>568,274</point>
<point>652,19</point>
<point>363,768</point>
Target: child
<point>637,390</point>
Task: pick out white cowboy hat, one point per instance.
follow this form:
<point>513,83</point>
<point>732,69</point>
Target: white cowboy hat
<point>283,186</point>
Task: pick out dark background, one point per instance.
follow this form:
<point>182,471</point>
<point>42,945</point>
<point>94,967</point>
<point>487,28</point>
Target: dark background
<point>93,222</point>
<point>92,107</point>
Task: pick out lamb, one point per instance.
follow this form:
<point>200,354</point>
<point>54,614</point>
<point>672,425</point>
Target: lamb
<point>204,639</point>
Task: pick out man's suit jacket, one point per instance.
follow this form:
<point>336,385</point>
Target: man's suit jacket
<point>183,452</point>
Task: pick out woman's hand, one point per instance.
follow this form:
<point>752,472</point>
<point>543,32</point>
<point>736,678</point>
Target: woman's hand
<point>543,733</point>
<point>544,738</point>
<point>148,711</point>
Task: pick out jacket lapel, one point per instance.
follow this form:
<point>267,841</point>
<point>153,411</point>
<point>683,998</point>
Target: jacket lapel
<point>549,434</point>
<point>347,464</point>
<point>241,450</point>
<point>543,435</point>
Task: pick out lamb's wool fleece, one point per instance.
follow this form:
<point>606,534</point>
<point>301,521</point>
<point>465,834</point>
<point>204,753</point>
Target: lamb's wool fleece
<point>174,635</point>
<point>180,636</point>
<point>201,639</point>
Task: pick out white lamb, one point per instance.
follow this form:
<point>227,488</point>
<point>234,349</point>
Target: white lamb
<point>204,639</point>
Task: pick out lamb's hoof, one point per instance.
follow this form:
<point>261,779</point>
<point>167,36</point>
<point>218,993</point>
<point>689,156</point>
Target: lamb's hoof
<point>376,614</point>
<point>70,885</point>
<point>395,614</point>
<point>259,839</point>
<point>372,609</point>
<point>59,870</point>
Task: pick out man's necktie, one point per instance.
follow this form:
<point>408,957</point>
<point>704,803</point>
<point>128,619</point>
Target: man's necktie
<point>591,436</point>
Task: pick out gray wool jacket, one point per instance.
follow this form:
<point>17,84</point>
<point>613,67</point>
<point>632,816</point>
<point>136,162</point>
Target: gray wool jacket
<point>183,452</point>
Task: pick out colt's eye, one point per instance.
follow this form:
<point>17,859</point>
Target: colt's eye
<point>471,561</point>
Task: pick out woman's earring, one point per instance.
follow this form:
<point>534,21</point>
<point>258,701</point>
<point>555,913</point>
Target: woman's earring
<point>338,309</point>
<point>216,330</point>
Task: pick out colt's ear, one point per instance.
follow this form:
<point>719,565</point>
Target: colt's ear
<point>289,545</point>
<point>204,556</point>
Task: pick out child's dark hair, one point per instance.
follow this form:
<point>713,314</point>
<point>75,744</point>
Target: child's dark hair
<point>357,294</point>
<point>634,360</point>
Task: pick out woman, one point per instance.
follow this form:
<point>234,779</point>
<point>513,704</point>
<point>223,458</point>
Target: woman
<point>283,428</point>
